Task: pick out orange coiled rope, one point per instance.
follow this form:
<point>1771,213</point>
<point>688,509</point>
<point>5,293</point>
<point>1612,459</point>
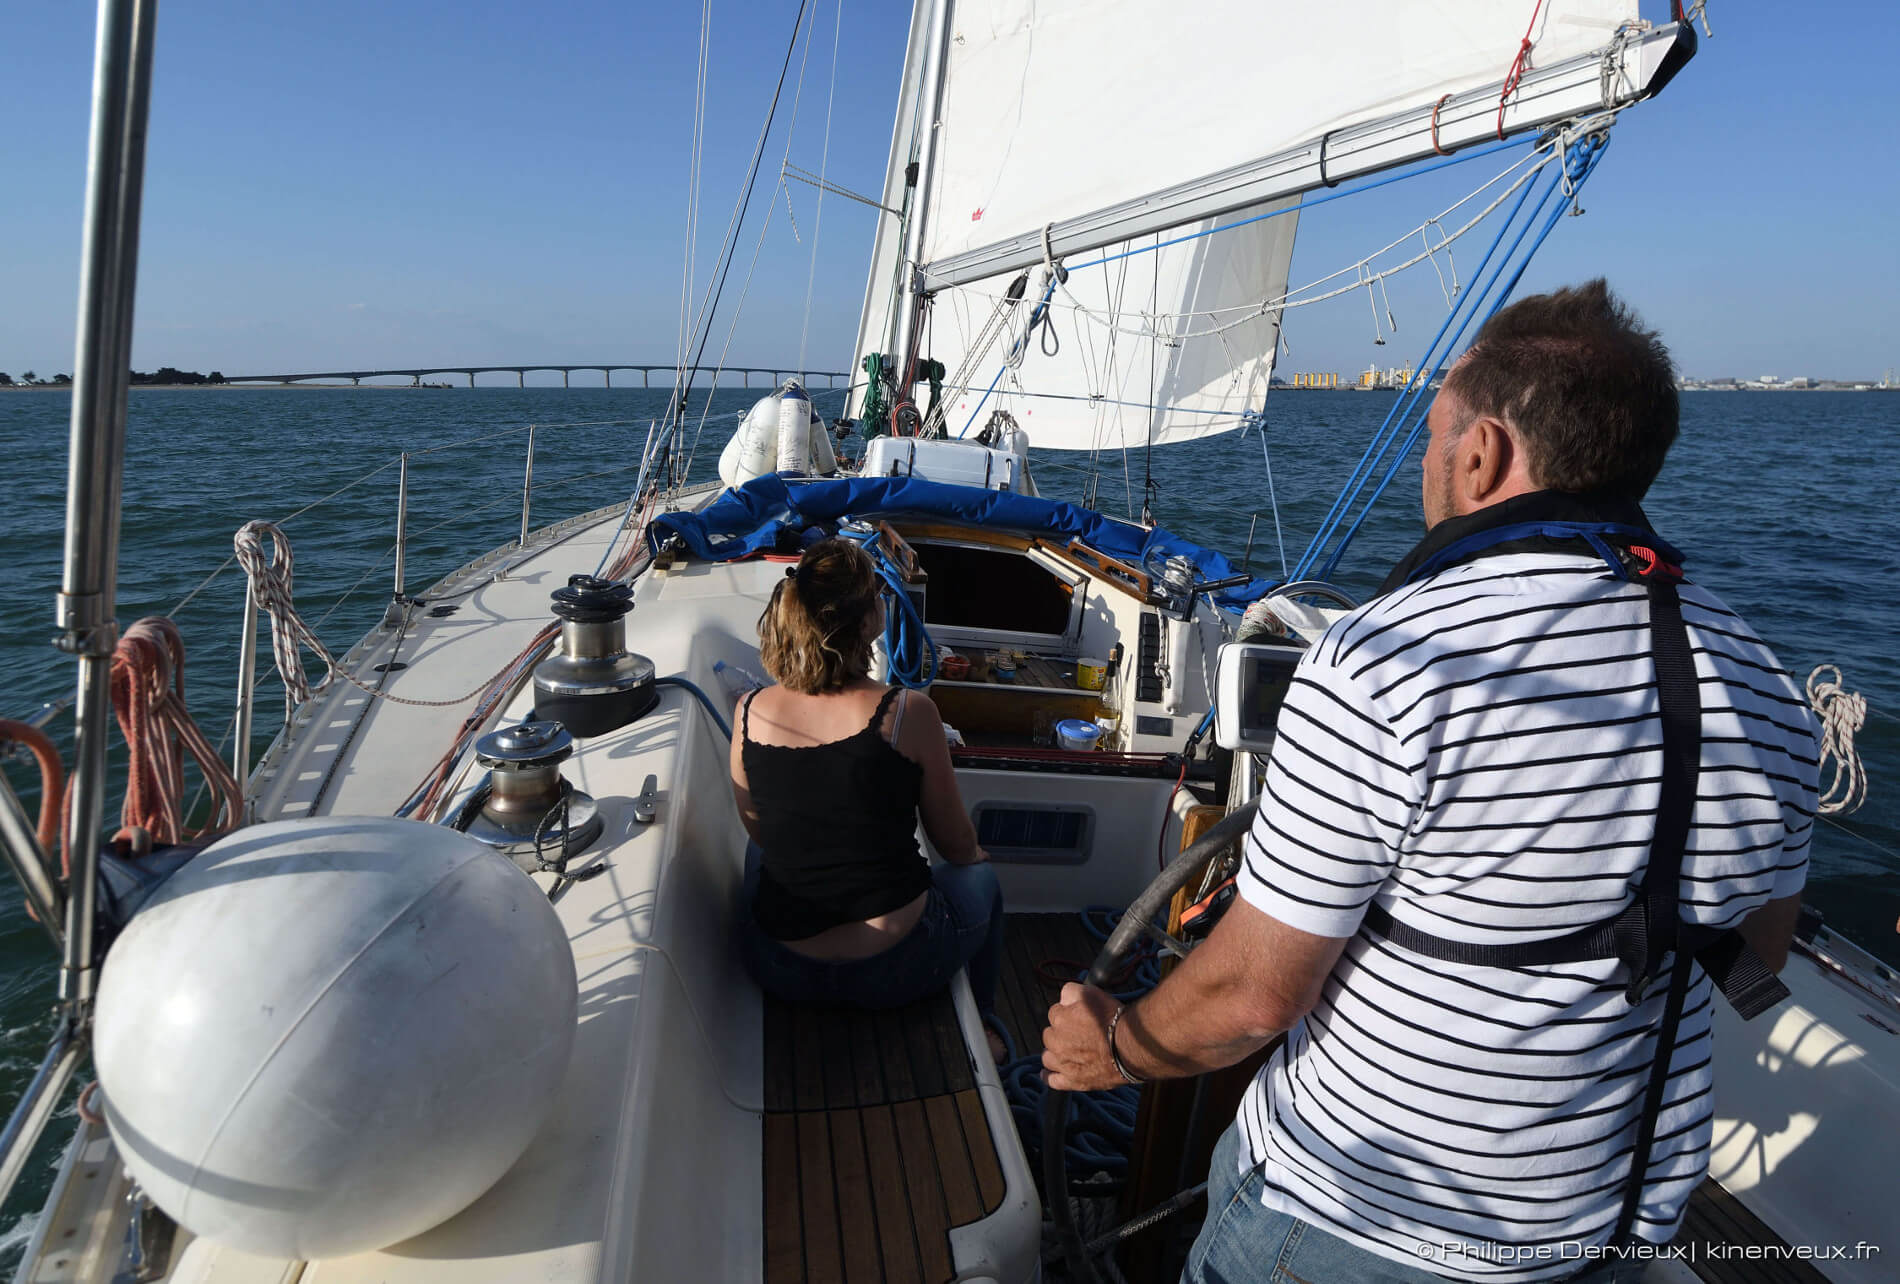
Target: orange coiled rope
<point>52,779</point>
<point>148,694</point>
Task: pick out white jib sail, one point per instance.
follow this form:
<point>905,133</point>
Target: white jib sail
<point>1107,388</point>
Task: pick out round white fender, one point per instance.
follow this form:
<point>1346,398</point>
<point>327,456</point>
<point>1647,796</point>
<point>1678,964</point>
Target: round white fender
<point>326,1036</point>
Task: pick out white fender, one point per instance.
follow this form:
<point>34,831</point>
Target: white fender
<point>794,429</point>
<point>753,450</point>
<point>824,460</point>
<point>325,1036</point>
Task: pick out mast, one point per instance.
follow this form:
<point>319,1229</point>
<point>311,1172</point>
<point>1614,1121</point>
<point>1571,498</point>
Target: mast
<point>910,302</point>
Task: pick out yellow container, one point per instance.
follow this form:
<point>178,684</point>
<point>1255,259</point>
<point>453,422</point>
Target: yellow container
<point>1091,675</point>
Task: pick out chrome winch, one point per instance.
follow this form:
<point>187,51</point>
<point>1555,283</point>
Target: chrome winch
<point>593,684</point>
<point>527,810</point>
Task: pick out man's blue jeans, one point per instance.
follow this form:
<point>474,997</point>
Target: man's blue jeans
<point>1244,1242</point>
<point>962,923</point>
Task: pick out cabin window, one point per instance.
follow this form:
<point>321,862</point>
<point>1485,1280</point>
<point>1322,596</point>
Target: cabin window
<point>992,589</point>
<point>1015,834</point>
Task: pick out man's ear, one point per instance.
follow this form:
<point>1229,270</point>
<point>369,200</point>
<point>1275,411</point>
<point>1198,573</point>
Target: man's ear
<point>1485,456</point>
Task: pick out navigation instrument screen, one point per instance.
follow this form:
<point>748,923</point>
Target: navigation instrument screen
<point>1268,677</point>
<point>1252,681</point>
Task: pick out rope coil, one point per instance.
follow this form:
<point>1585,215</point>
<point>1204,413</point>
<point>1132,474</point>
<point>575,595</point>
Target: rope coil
<point>148,695</point>
<point>270,579</point>
<point>1841,713</point>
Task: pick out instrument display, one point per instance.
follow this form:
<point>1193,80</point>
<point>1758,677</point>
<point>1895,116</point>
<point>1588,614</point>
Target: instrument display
<point>1251,685</point>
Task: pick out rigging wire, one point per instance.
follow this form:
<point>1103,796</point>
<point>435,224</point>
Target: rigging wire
<point>1148,456</point>
<point>1363,277</point>
<point>824,161</point>
<point>716,287</point>
<point>693,169</point>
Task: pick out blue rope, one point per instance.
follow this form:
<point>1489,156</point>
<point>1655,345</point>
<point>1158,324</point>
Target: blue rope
<point>1406,421</point>
<point>912,650</point>
<point>1414,389</point>
<point>986,396</point>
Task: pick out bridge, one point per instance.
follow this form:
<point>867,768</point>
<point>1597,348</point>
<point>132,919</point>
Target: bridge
<point>745,373</point>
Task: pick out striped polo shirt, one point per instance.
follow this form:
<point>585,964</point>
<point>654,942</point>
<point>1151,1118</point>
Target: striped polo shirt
<point>1479,753</point>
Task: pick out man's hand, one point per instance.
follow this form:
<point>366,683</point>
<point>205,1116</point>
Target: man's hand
<point>1075,1056</point>
<point>1252,979</point>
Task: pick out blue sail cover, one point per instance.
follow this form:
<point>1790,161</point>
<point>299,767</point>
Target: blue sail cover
<point>754,517</point>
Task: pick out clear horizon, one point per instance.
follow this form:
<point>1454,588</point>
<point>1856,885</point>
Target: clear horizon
<point>392,187</point>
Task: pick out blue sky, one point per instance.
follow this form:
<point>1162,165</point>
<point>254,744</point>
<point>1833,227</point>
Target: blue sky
<point>395,184</point>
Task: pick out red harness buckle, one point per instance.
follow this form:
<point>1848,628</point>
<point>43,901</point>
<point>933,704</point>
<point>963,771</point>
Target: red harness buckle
<point>1651,566</point>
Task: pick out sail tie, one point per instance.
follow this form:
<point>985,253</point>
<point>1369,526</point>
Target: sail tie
<point>1519,65</point>
<point>1435,109</point>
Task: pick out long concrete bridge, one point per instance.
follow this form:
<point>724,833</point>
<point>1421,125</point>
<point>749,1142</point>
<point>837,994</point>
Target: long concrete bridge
<point>745,373</point>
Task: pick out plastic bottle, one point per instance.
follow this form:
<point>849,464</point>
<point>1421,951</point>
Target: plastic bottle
<point>737,681</point>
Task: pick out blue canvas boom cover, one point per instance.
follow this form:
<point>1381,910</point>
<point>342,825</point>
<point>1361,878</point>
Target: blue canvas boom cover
<point>750,519</point>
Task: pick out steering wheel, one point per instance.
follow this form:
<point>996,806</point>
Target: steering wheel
<point>1134,921</point>
<point>1315,588</point>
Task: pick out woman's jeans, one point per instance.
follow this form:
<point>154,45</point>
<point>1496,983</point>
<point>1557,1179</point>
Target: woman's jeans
<point>962,923</point>
<point>1243,1240</point>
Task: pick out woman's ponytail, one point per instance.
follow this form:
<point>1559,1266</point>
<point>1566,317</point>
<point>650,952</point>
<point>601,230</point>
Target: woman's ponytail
<point>812,635</point>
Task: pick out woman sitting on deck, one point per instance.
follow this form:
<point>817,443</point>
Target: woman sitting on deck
<point>831,772</point>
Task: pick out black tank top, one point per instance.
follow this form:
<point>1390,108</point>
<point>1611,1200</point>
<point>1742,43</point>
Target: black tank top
<point>837,829</point>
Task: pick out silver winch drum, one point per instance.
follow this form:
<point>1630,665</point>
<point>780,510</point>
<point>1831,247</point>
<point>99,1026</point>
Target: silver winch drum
<point>593,684</point>
<point>530,814</point>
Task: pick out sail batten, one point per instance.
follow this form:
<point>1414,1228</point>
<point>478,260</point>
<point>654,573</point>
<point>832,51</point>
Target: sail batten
<point>1052,113</point>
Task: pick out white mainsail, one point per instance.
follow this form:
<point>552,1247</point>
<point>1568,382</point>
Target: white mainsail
<point>1050,114</point>
<point>1065,106</point>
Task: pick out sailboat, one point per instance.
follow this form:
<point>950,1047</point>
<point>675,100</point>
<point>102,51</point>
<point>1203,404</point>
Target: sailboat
<point>457,996</point>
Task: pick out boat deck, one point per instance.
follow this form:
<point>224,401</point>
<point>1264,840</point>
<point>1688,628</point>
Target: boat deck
<point>875,1141</point>
<point>1726,1244</point>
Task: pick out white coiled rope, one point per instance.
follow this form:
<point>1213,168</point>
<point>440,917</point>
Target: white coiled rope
<point>1842,713</point>
<point>270,578</point>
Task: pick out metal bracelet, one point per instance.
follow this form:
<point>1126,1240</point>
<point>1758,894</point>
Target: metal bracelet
<point>1115,1056</point>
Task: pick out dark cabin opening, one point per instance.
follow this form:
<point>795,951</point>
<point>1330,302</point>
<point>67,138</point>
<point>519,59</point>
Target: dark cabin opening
<point>984,588</point>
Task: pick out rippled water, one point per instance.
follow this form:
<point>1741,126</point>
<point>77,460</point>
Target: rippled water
<point>1784,502</point>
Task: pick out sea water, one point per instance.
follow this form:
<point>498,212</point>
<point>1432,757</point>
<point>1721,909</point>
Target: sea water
<point>1783,502</point>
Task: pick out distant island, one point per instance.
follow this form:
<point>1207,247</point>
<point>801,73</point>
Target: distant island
<point>163,375</point>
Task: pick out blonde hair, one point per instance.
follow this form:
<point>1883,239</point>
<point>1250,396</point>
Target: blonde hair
<point>812,636</point>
